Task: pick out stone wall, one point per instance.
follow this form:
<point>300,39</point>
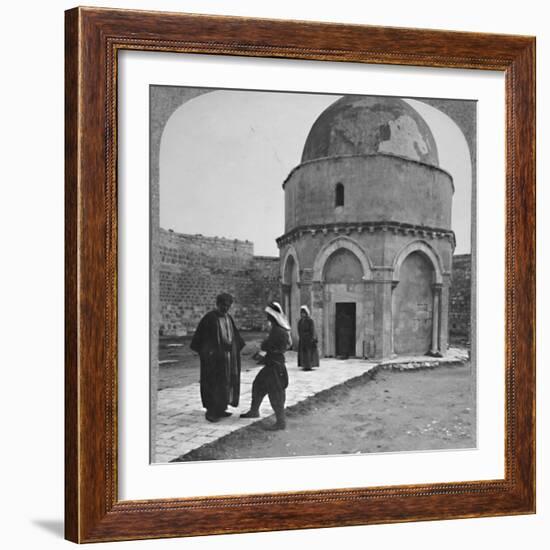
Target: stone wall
<point>460,300</point>
<point>194,269</point>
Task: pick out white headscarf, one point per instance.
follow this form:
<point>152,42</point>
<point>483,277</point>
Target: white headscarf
<point>276,311</point>
<point>306,309</point>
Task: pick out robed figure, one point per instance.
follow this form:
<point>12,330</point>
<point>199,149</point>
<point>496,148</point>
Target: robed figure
<point>218,343</point>
<point>308,355</point>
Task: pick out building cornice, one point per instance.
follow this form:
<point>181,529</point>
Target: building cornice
<point>348,228</point>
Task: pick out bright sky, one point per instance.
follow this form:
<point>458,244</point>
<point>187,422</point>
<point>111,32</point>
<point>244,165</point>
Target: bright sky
<point>224,156</point>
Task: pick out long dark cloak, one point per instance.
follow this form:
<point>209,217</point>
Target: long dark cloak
<point>220,372</point>
<point>308,355</point>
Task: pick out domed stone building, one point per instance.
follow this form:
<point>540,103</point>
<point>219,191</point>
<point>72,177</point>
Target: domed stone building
<point>368,242</point>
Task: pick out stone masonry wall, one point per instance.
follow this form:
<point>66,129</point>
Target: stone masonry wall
<point>194,269</point>
<point>460,300</point>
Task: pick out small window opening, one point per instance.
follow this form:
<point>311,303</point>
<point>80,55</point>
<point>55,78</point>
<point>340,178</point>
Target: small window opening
<point>339,195</point>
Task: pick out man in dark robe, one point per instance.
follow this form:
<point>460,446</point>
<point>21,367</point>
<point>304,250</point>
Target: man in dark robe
<point>219,344</point>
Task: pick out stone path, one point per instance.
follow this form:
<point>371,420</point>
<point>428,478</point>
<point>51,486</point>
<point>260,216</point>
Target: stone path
<point>181,426</point>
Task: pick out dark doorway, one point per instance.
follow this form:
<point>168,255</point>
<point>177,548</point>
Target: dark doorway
<point>345,329</point>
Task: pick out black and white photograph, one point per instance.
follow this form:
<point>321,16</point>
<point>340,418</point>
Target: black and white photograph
<point>274,275</point>
<point>312,283</point>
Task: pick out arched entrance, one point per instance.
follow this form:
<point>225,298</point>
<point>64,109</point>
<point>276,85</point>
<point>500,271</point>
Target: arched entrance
<point>413,305</point>
<point>344,292</point>
<point>291,294</point>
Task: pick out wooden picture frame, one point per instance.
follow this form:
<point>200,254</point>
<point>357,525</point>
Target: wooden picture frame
<point>93,511</point>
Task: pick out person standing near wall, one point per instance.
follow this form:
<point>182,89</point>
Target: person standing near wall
<point>308,356</point>
<point>219,344</point>
<point>272,380</point>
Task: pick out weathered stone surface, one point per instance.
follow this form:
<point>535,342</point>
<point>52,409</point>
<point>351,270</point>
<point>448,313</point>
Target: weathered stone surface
<point>194,269</point>
<point>460,300</point>
<point>356,125</point>
<point>376,187</point>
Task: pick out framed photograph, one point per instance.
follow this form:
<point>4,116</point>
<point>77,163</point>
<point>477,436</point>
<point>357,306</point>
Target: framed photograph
<point>300,275</point>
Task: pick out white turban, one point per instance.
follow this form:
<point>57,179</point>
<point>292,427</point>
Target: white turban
<point>275,310</point>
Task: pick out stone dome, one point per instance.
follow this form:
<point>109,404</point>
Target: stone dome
<point>363,125</point>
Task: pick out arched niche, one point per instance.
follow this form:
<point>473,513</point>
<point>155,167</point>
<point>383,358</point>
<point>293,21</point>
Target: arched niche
<point>413,305</point>
<point>425,249</point>
<point>290,254</point>
<point>290,277</point>
<point>341,242</point>
<point>343,266</point>
<point>418,310</point>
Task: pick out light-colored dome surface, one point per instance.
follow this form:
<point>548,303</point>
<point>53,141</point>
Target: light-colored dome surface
<point>361,125</point>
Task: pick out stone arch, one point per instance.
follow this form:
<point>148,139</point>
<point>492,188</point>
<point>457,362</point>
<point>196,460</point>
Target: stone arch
<point>290,278</point>
<point>424,248</point>
<point>341,242</point>
<point>422,324</point>
<point>460,116</point>
<point>165,101</point>
<point>463,114</point>
<point>341,295</point>
<point>290,253</point>
<point>343,266</point>
<point>413,308</point>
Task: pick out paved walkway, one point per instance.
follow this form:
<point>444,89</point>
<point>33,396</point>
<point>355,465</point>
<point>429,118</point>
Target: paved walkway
<point>181,426</point>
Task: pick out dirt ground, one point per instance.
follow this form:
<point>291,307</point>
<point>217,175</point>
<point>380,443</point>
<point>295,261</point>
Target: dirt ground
<point>388,411</point>
<point>179,366</point>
